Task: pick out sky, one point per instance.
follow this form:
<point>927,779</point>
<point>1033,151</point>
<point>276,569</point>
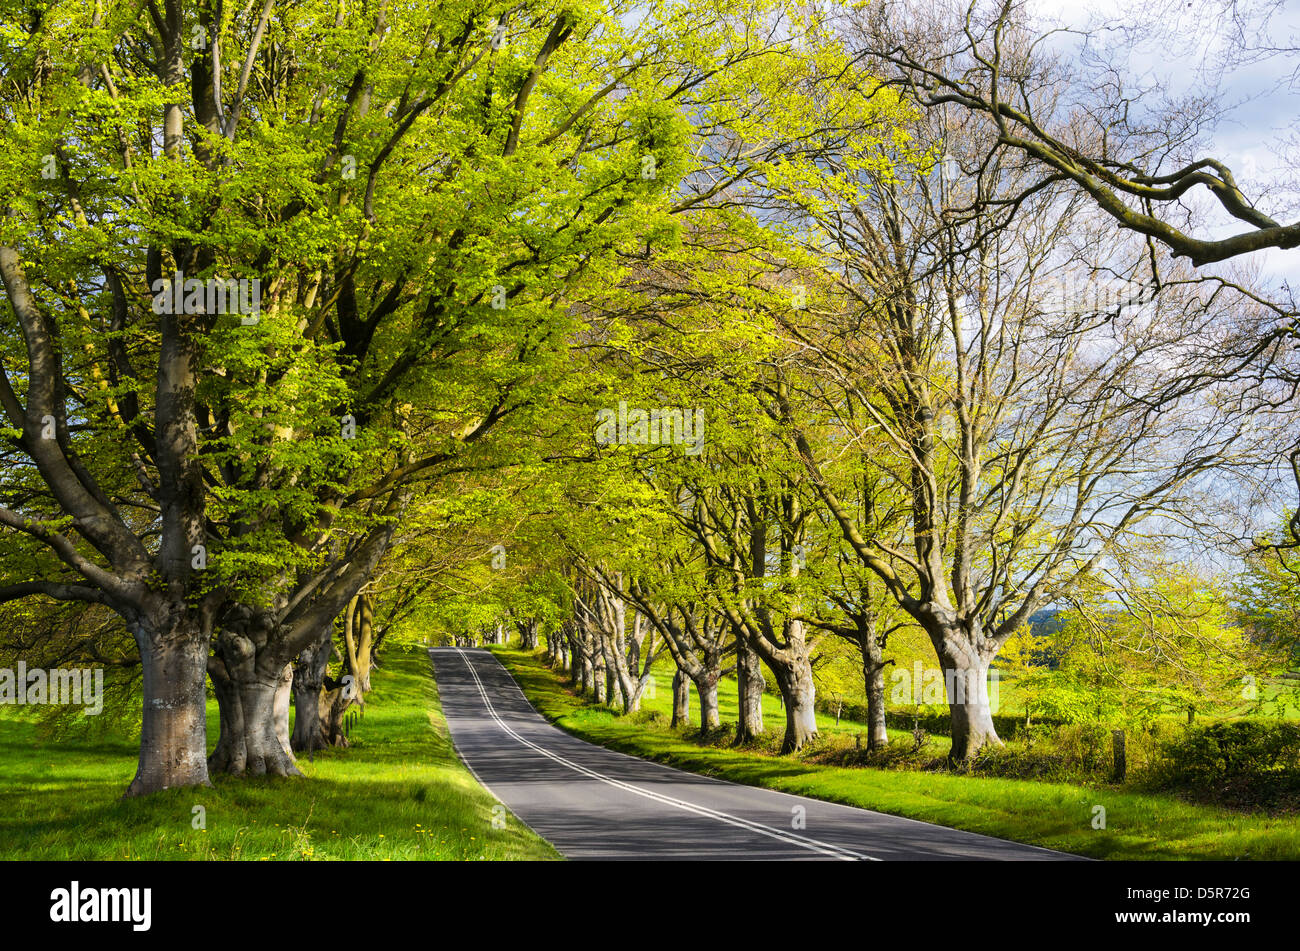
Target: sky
<point>1264,95</point>
<point>1264,100</point>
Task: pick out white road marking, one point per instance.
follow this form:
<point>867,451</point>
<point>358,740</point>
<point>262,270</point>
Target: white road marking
<point>813,845</point>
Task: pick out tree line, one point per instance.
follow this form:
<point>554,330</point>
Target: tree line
<point>943,378</point>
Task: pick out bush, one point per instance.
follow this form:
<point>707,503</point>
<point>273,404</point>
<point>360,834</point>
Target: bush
<point>1036,735</point>
<point>1233,748</point>
<point>1018,764</point>
<point>897,754</point>
<point>1085,745</point>
<point>935,720</point>
<point>939,722</point>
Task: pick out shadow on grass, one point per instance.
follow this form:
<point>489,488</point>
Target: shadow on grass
<point>398,793</point>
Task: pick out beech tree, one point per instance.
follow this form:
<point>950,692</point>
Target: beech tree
<point>1025,417</point>
<point>1138,151</point>
<point>697,637</point>
<point>410,197</point>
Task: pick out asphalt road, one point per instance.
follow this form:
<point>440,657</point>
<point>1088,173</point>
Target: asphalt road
<point>593,803</point>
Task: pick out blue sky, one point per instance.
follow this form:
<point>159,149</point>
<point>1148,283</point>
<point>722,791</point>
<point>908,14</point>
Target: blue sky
<point>1183,39</point>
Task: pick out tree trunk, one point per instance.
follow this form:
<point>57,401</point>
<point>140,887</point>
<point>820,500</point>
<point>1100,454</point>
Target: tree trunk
<point>572,656</point>
<point>613,693</point>
<point>173,732</point>
<point>255,735</point>
<point>358,641</point>
<point>749,688</point>
<point>966,682</point>
<point>228,755</point>
<point>598,679</point>
<point>798,693</point>
<point>307,683</point>
<point>707,687</point>
<point>333,705</point>
<point>266,737</point>
<point>874,677</point>
<point>280,706</point>
<point>681,699</point>
<point>575,665</point>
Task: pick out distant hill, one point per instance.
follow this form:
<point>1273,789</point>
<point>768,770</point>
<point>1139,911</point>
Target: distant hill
<point>1045,621</point>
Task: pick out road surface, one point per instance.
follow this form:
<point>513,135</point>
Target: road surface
<point>594,803</point>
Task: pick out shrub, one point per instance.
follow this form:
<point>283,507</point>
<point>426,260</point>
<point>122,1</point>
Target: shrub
<point>1085,745</point>
<point>897,754</point>
<point>1022,764</point>
<point>1232,748</point>
<point>1036,735</point>
<point>938,722</point>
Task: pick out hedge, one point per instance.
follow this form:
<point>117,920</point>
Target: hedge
<point>936,723</point>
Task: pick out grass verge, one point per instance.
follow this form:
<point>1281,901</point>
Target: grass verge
<point>400,792</point>
<point>1054,815</point>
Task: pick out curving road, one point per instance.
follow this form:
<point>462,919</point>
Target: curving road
<point>594,803</point>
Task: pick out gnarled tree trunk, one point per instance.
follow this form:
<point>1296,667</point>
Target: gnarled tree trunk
<point>706,685</point>
<point>749,688</point>
<point>527,628</point>
<point>681,699</point>
<point>228,755</point>
<point>173,732</point>
<point>968,706</point>
<point>309,680</point>
<point>333,705</point>
<point>965,669</point>
<point>255,738</point>
<point>264,704</point>
<point>358,639</point>
<point>794,678</point>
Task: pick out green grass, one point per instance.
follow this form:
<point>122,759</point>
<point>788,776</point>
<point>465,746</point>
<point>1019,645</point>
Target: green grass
<point>399,793</point>
<point>1053,815</point>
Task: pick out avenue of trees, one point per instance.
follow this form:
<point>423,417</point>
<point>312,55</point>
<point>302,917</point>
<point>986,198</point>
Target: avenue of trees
<point>753,337</point>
